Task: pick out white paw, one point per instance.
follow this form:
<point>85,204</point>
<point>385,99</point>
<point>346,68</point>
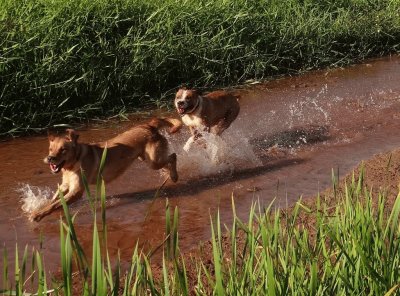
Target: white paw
<point>188,144</point>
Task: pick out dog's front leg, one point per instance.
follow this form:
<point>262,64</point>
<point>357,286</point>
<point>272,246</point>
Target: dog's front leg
<point>193,130</point>
<point>69,198</point>
<point>196,134</point>
<point>206,129</point>
<point>188,144</point>
<point>74,190</point>
<point>63,189</point>
<point>219,127</point>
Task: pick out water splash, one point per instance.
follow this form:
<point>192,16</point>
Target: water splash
<point>33,197</point>
<point>211,154</point>
<point>308,109</point>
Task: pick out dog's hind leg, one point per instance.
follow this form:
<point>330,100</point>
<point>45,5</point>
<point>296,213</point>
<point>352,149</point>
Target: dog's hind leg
<point>158,157</point>
<point>171,166</point>
<point>225,122</point>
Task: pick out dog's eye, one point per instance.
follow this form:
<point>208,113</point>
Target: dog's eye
<point>63,150</point>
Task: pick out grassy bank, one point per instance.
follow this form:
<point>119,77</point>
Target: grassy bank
<point>69,60</point>
<point>350,247</point>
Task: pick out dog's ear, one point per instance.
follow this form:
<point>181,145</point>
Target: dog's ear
<point>197,92</point>
<point>50,136</point>
<point>180,91</point>
<point>71,135</point>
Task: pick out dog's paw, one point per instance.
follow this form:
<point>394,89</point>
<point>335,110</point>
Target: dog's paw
<point>174,177</point>
<point>188,144</point>
<point>35,217</point>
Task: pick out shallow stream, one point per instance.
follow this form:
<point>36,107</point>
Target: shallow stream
<point>289,136</point>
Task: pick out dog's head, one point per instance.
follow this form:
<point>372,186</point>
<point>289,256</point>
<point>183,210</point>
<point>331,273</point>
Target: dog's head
<point>186,100</point>
<point>62,151</point>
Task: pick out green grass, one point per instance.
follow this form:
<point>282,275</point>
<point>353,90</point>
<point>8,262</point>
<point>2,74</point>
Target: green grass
<point>350,247</point>
<point>63,61</point>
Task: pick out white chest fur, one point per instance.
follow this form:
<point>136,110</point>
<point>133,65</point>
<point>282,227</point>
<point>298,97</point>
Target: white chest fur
<point>192,120</point>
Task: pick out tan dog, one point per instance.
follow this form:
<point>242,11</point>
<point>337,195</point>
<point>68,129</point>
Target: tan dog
<point>213,112</point>
<point>68,156</point>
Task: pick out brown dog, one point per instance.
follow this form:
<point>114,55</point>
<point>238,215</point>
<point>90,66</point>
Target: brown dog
<point>213,112</point>
<point>68,156</point>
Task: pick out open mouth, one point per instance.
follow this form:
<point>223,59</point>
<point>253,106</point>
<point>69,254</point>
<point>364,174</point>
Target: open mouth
<point>181,110</point>
<point>55,168</point>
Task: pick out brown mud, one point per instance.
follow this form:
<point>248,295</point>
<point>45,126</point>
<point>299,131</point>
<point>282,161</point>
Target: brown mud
<point>290,135</point>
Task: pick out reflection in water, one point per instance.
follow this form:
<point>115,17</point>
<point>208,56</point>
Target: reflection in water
<point>288,137</point>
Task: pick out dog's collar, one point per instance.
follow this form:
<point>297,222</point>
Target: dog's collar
<point>200,100</point>
<point>78,152</point>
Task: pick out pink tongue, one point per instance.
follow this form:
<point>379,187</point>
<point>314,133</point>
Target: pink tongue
<point>181,110</point>
<point>53,166</point>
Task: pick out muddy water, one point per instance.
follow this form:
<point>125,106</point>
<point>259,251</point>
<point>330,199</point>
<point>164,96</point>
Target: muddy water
<point>289,136</point>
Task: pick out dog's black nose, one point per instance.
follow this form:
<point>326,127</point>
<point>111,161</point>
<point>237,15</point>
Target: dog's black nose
<point>181,103</point>
<point>50,158</point>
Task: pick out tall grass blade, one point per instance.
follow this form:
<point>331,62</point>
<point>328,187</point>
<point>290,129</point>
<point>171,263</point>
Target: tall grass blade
<point>103,213</point>
<point>175,241</point>
<point>87,191</point>
<point>219,288</point>
<point>100,172</point>
<point>168,230</point>
<point>42,289</point>
<point>82,260</point>
<point>5,269</point>
<point>165,277</point>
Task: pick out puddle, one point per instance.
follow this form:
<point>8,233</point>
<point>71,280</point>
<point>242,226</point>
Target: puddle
<point>290,135</point>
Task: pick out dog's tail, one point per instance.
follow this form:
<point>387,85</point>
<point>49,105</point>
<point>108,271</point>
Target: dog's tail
<point>173,124</point>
